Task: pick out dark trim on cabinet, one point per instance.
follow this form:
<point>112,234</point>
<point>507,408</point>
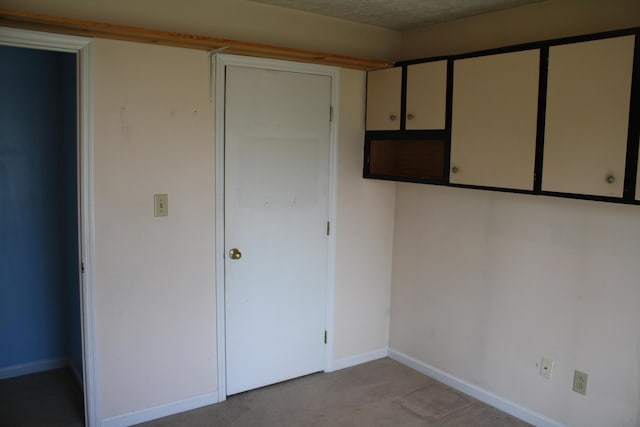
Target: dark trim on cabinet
<point>548,194</point>
<point>448,118</point>
<point>633,137</point>
<point>403,99</point>
<point>485,188</point>
<point>542,110</point>
<point>588,197</point>
<point>423,60</point>
<point>526,46</point>
<point>366,98</point>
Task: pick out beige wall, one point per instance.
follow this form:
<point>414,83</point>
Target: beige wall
<point>364,235</point>
<point>486,283</point>
<point>155,291</point>
<point>483,283</point>
<point>232,19</point>
<point>534,22</point>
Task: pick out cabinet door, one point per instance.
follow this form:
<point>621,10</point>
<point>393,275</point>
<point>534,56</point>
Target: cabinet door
<point>587,117</point>
<point>426,95</point>
<point>494,122</point>
<point>384,89</point>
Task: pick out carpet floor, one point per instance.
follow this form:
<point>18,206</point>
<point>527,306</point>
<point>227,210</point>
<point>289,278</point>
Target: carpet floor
<point>378,393</point>
<point>50,398</point>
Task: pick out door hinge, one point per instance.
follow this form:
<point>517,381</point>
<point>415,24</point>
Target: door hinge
<point>325,337</point>
<point>331,113</point>
<point>82,267</point>
<point>328,228</point>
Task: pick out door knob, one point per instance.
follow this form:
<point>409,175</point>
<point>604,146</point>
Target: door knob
<point>235,254</point>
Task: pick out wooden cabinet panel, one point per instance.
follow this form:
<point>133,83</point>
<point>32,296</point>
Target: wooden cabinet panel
<point>494,123</point>
<point>413,159</point>
<point>384,89</point>
<point>587,119</point>
<point>426,95</point>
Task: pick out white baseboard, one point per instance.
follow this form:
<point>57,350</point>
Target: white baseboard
<point>31,368</point>
<point>475,391</point>
<point>160,411</point>
<point>358,359</point>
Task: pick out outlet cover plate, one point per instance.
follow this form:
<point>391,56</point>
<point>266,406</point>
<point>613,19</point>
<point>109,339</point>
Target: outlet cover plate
<point>580,382</point>
<point>546,368</point>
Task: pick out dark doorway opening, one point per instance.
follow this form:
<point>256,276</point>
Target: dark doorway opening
<point>40,312</point>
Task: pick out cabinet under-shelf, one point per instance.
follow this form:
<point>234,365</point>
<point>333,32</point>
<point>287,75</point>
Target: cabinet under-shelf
<point>421,156</point>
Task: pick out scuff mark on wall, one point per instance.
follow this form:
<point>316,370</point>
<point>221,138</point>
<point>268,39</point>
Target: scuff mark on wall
<point>125,125</point>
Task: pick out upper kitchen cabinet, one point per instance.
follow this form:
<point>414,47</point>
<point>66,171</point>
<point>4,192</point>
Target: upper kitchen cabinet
<point>494,120</point>
<point>587,117</point>
<point>384,88</point>
<point>426,95</point>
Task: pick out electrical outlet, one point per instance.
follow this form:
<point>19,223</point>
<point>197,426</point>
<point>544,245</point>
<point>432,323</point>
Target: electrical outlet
<point>546,367</point>
<point>580,382</point>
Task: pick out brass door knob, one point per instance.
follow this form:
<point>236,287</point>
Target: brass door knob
<point>235,254</point>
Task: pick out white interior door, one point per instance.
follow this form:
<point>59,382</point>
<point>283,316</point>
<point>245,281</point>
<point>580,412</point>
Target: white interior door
<point>277,143</point>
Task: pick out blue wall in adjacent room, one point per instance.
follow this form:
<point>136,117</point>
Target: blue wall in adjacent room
<point>68,102</point>
<point>39,292</point>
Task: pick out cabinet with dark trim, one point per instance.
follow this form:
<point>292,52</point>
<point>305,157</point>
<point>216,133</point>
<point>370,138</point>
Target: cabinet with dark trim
<point>406,136</point>
<point>426,96</point>
<point>423,107</point>
<point>587,116</point>
<point>558,118</point>
<point>384,89</point>
<point>494,120</point>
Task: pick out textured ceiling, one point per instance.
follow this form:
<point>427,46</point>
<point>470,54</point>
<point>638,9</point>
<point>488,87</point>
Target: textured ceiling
<point>397,14</point>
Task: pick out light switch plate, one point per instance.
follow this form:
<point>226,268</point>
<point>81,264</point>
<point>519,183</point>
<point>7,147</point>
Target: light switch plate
<point>161,205</point>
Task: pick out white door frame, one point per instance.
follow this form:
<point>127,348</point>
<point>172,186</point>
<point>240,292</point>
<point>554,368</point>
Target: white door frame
<point>220,62</point>
<point>83,47</point>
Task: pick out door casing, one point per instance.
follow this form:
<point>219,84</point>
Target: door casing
<point>218,68</point>
<point>83,48</point>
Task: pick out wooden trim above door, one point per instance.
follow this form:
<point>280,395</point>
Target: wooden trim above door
<point>55,24</point>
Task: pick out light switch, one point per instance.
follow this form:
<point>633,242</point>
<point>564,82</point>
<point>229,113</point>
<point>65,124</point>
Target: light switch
<point>161,205</point>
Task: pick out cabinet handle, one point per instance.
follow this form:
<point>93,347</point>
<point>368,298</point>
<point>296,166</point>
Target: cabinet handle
<point>454,169</point>
<point>611,179</point>
<point>393,117</point>
<point>409,116</point>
